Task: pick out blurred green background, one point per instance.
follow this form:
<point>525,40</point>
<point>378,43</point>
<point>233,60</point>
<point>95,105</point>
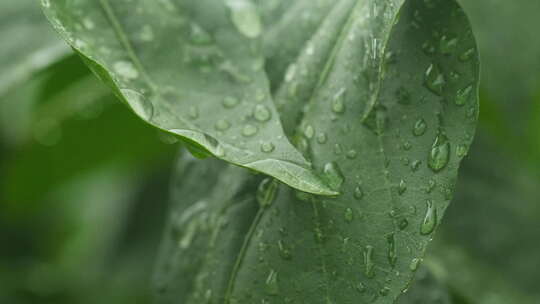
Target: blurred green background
<point>84,183</point>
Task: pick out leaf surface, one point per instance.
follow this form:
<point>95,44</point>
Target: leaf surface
<point>386,97</point>
<point>192,68</point>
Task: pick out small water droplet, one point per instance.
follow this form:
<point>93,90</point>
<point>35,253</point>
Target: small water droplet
<point>448,44</point>
<point>349,215</point>
<point>249,130</point>
<point>319,235</point>
<point>414,264</point>
<point>267,147</point>
<point>322,138</point>
<point>462,151</point>
<point>333,175</point>
<point>309,131</point>
<point>262,113</point>
<point>271,283</point>
<point>467,55</point>
<point>434,80</point>
<point>284,252</point>
<point>200,36</point>
<point>222,125</point>
<point>420,127</point>
<point>193,112</point>
<point>415,165</point>
<point>402,187</point>
<point>403,223</point>
<point>230,102</point>
<point>352,154</point>
<point>403,96</point>
<point>384,291</point>
<point>245,17</point>
<point>360,287</point>
<point>439,155</point>
<point>338,103</point>
<point>267,192</point>
<point>464,95</point>
<point>368,262</point>
<point>392,254</point>
<point>358,193</point>
<point>430,219</point>
<point>338,149</point>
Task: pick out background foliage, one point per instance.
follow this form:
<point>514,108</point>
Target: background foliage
<point>84,183</point>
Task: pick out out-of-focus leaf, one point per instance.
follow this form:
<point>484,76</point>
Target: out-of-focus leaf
<point>426,288</point>
<point>28,42</point>
<point>194,69</point>
<point>487,250</point>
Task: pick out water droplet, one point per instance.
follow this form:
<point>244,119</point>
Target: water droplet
<point>414,264</point>
<point>333,175</point>
<point>464,95</point>
<point>351,154</point>
<point>384,291</point>
<point>322,138</point>
<point>377,120</point>
<point>416,165</point>
<point>368,262</point>
<point>440,153</point>
<point>467,55</point>
<point>222,125</point>
<point>230,102</point>
<point>402,187</point>
<point>267,147</point>
<point>284,252</point>
<point>420,127</point>
<point>430,219</point>
<point>309,131</point>
<point>434,80</point>
<point>403,96</point>
<point>245,17</point>
<point>462,151</point>
<point>403,223</point>
<point>360,287</point>
<point>338,150</point>
<point>349,215</point>
<point>338,103</point>
<point>262,113</point>
<point>140,105</point>
<point>249,130</point>
<point>358,192</point>
<point>200,36</point>
<point>319,235</point>
<point>407,145</point>
<point>126,70</point>
<point>448,44</point>
<point>267,191</point>
<point>193,112</point>
<point>271,284</point>
<point>392,254</point>
<point>428,48</point>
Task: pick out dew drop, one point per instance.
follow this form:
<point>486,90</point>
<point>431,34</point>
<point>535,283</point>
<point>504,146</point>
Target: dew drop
<point>338,149</point>
<point>271,283</point>
<point>267,147</point>
<point>448,45</point>
<point>338,103</point>
<point>358,193</point>
<point>249,130</point>
<point>222,125</point>
<point>230,102</point>
<point>420,127</point>
<point>384,291</point>
<point>467,55</point>
<point>430,219</point>
<point>352,154</point>
<point>402,187</point>
<point>319,235</point>
<point>414,264</point>
<point>434,80</point>
<point>200,36</point>
<point>360,287</point>
<point>284,252</point>
<point>193,112</point>
<point>392,254</point>
<point>440,153</point>
<point>349,215</point>
<point>403,223</point>
<point>140,105</point>
<point>415,165</point>
<point>464,95</point>
<point>245,17</point>
<point>262,113</point>
<point>333,175</point>
<point>266,192</point>
<point>322,138</point>
<point>369,270</point>
<point>309,131</point>
<point>462,151</point>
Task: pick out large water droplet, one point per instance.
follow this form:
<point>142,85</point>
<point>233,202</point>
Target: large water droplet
<point>420,127</point>
<point>440,153</point>
<point>262,113</point>
<point>333,175</point>
<point>267,191</point>
<point>430,219</point>
<point>434,79</point>
<point>245,17</point>
<point>369,270</point>
<point>464,95</point>
<point>271,283</point>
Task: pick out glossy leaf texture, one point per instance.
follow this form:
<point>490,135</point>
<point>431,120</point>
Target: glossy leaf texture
<point>192,68</point>
<point>387,99</point>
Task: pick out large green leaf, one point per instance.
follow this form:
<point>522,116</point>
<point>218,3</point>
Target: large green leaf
<point>192,68</point>
<point>392,110</point>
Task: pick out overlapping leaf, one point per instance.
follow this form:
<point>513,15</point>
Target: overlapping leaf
<point>193,68</point>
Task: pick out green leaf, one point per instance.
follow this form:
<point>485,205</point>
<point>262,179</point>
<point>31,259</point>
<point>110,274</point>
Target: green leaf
<point>426,288</point>
<point>388,122</point>
<point>20,58</point>
<point>194,69</point>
